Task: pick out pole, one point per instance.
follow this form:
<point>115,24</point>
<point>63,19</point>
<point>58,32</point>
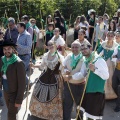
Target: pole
<point>20,8</point>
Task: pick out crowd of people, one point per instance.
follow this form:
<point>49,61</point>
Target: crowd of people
<point>85,77</point>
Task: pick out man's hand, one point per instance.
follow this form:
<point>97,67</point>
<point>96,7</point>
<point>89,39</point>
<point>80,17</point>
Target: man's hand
<point>114,56</point>
<point>45,47</point>
<point>67,72</point>
<point>67,77</point>
<point>32,65</point>
<point>17,105</point>
<point>92,67</point>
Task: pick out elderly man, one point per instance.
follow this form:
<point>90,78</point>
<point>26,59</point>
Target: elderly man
<point>12,32</point>
<point>94,98</point>
<point>72,65</point>
<point>12,77</point>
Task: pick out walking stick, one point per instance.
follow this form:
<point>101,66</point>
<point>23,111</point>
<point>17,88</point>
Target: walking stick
<point>17,12</point>
<point>44,40</point>
<point>85,85</point>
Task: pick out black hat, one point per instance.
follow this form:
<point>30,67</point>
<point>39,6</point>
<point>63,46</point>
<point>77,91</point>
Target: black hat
<point>8,43</point>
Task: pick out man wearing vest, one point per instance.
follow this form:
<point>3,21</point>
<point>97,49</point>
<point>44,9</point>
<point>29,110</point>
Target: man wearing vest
<point>116,77</point>
<point>94,98</point>
<point>72,65</point>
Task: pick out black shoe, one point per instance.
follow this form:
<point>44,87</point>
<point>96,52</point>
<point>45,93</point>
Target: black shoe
<point>117,109</point>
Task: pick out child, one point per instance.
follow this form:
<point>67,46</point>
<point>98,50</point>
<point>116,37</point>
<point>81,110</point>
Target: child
<point>49,32</point>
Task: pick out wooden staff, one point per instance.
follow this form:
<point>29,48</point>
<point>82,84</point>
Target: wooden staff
<point>17,12</point>
<point>44,40</point>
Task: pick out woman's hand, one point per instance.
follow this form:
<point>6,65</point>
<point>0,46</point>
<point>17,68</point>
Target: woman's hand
<point>32,65</point>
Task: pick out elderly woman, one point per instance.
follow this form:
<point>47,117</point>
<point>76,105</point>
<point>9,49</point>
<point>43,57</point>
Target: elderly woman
<point>46,100</point>
<point>106,50</point>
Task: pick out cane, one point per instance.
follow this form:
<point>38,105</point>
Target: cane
<point>85,85</point>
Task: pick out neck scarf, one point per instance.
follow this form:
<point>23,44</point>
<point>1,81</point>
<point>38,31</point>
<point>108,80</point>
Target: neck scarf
<point>89,59</point>
<point>75,61</point>
<point>6,62</point>
<point>28,25</point>
<point>34,37</point>
<point>49,32</point>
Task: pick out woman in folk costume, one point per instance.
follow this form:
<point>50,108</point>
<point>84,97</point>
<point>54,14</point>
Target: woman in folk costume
<point>117,37</point>
<point>116,76</point>
<point>46,100</point>
<point>106,50</point>
<point>59,41</point>
<point>81,37</point>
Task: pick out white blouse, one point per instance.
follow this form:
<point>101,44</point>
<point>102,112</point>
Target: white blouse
<point>50,64</point>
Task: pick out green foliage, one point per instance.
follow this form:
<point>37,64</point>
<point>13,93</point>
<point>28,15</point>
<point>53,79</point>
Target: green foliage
<point>40,9</point>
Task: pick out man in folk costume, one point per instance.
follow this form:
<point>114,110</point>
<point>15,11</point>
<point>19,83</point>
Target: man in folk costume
<point>94,97</point>
<point>72,65</point>
<point>12,77</point>
<point>116,77</point>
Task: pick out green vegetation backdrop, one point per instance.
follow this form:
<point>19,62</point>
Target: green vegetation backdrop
<point>68,8</point>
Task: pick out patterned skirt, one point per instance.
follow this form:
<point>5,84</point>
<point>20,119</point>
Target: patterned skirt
<point>52,110</point>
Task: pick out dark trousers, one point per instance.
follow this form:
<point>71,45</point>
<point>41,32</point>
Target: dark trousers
<point>12,110</point>
<point>116,85</point>
<point>32,51</point>
<point>77,91</point>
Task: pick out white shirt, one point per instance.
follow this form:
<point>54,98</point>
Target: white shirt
<point>85,25</point>
<point>101,70</point>
<point>59,42</point>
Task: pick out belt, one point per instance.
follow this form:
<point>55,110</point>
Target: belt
<point>77,83</point>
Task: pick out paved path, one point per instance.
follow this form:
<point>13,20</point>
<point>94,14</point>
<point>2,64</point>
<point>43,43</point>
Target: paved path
<point>109,114</point>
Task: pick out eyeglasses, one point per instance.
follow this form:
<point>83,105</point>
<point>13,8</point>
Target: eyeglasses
<point>81,34</point>
<point>50,44</point>
<point>110,35</point>
<point>74,47</point>
<point>83,49</point>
